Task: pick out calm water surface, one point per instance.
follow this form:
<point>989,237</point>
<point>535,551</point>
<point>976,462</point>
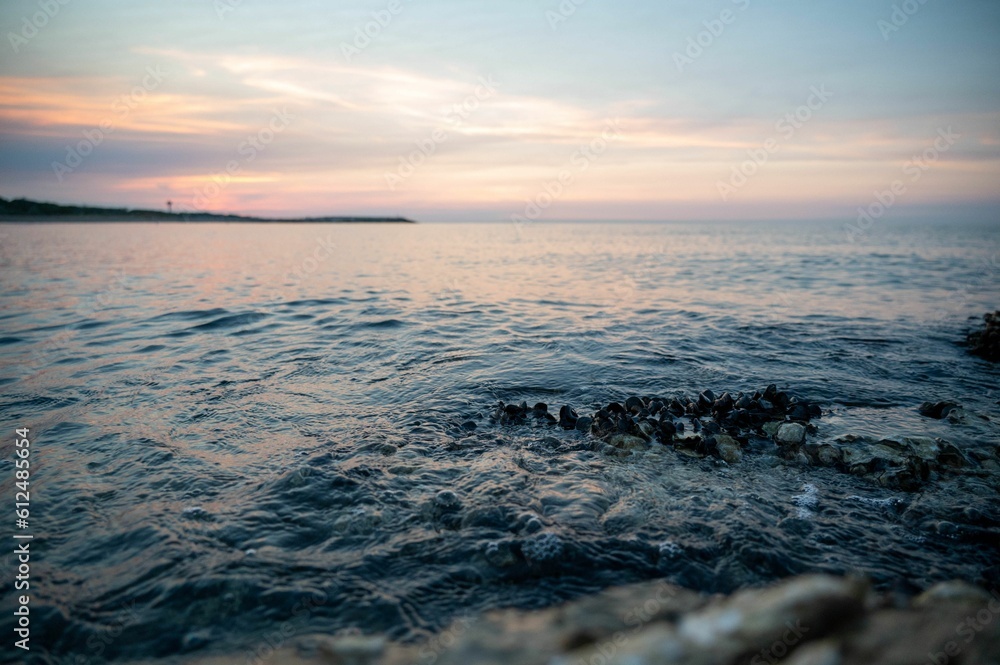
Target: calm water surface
<point>242,431</point>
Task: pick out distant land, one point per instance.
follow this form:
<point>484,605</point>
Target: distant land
<point>25,210</point>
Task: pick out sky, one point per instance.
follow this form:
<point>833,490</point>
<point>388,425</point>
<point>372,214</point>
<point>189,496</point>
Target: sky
<point>522,109</point>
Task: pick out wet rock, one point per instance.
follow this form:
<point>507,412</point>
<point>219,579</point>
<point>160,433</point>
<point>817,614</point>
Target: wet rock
<point>584,424</point>
<point>985,342</point>
<point>634,404</point>
<point>771,428</point>
<point>724,404</point>
<point>937,410</point>
<point>567,418</point>
<point>628,442</point>
<point>790,434</point>
<point>728,449</point>
<point>469,426</point>
<point>667,430</point>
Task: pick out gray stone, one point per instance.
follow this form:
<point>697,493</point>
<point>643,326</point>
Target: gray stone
<point>628,442</point>
<point>790,434</point>
<point>728,448</point>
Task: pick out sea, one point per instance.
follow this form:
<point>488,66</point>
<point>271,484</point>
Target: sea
<point>245,433</point>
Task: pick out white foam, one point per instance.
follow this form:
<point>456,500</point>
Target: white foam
<point>806,501</point>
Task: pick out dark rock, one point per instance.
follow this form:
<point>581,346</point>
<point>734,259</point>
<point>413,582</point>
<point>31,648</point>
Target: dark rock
<point>770,392</point>
<point>634,404</point>
<point>799,412</point>
<point>985,342</point>
<point>567,417</point>
<point>541,407</point>
<point>744,401</point>
<point>724,404</point>
<point>469,426</point>
<point>667,430</point>
<point>616,408</point>
<point>937,410</point>
<point>584,424</point>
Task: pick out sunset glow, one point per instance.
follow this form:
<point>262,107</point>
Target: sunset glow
<point>437,119</point>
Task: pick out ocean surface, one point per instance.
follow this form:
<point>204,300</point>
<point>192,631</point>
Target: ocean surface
<point>245,433</point>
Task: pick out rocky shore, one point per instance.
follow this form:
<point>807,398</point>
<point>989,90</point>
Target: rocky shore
<point>809,620</point>
<point>729,426</point>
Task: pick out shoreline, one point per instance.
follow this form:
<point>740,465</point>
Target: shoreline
<point>178,219</point>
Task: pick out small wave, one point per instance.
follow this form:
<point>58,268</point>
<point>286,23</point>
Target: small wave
<point>387,323</point>
<point>806,502</point>
<point>191,315</point>
<point>233,321</point>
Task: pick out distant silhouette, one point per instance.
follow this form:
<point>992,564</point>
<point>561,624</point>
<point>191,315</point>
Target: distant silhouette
<point>170,207</point>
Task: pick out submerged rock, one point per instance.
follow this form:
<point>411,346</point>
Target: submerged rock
<point>728,449</point>
<point>937,410</point>
<point>628,442</point>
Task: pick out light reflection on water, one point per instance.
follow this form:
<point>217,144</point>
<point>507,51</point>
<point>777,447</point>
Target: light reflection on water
<point>201,392</point>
